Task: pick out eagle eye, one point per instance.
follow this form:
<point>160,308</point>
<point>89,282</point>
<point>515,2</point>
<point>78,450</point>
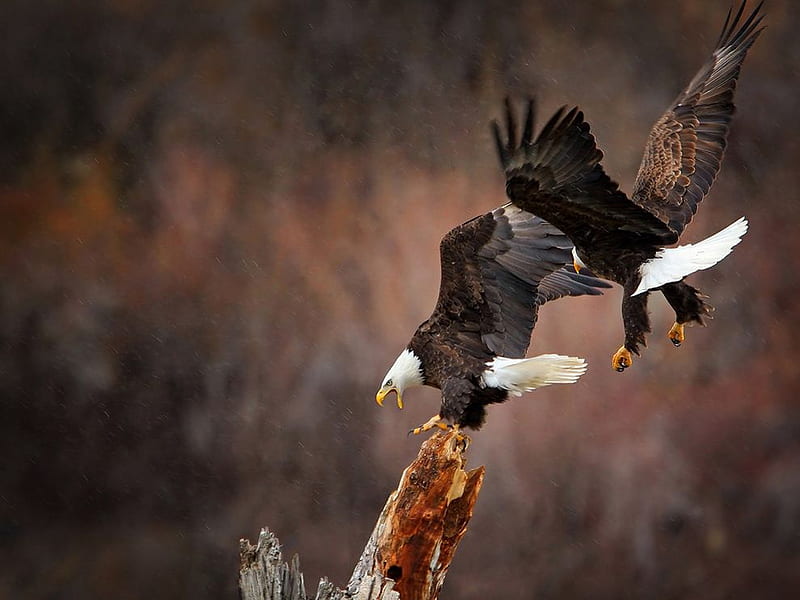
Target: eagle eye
<point>389,382</point>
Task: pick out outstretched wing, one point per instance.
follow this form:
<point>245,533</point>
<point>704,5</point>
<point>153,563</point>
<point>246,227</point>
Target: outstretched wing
<point>496,271</point>
<point>559,177</point>
<point>685,147</point>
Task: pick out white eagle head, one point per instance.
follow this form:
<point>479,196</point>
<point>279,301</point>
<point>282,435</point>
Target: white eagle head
<point>406,372</point>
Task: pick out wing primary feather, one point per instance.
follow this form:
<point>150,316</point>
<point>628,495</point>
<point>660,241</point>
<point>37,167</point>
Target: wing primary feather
<point>724,33</point>
<point>730,25</point>
<point>545,133</point>
<point>553,141</point>
<point>511,124</point>
<point>527,133</point>
<point>748,30</point>
<point>502,151</point>
<point>727,31</point>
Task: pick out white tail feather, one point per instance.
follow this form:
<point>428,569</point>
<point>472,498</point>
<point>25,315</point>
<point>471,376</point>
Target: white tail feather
<point>518,375</point>
<point>673,264</point>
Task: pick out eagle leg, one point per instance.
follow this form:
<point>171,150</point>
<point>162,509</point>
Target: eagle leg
<point>621,360</point>
<point>434,421</point>
<point>637,325</point>
<point>462,440</point>
<point>689,306</point>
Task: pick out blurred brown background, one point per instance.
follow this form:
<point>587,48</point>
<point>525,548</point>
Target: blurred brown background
<point>220,224</point>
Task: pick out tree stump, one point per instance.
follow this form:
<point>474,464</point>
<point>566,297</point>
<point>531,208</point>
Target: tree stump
<point>411,546</point>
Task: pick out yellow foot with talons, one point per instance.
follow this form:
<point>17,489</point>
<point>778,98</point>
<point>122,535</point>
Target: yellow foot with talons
<point>435,421</point>
<point>621,360</point>
<point>676,334</point>
<point>461,438</point>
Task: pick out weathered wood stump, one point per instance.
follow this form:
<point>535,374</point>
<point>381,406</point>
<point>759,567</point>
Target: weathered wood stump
<point>411,547</point>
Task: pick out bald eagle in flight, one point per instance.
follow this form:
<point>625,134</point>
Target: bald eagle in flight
<point>623,239</point>
<point>496,271</point>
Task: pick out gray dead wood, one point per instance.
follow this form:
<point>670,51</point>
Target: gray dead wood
<point>410,549</point>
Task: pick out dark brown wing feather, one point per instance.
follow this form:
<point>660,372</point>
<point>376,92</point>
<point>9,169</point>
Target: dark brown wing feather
<point>493,268</point>
<point>685,147</point>
<point>566,282</point>
<point>558,176</point>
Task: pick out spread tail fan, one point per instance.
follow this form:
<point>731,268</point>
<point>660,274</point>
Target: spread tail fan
<point>518,375</point>
<point>673,264</point>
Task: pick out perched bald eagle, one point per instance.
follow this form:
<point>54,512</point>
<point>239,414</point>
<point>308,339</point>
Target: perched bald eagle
<point>497,270</point>
<point>623,239</point>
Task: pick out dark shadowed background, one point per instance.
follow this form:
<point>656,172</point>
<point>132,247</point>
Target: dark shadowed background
<point>220,224</point>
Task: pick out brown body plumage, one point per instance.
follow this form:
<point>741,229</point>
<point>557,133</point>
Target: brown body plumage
<point>497,270</point>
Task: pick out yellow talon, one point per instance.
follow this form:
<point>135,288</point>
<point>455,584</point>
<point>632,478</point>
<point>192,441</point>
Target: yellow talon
<point>676,334</point>
<point>621,360</point>
<point>461,438</point>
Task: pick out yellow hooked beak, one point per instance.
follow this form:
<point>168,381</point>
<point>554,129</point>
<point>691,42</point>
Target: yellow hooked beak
<point>385,391</point>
